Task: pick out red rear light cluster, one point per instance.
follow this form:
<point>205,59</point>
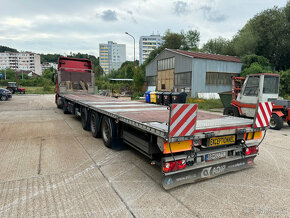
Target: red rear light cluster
<point>251,150</point>
<point>174,165</point>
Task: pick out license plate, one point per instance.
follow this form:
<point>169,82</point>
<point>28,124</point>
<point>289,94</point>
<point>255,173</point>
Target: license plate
<point>215,156</point>
<point>223,140</point>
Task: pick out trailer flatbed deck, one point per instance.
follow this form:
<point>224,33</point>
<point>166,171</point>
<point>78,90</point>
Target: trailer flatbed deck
<point>187,144</point>
<point>152,117</point>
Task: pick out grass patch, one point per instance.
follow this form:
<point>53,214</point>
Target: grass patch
<point>39,90</point>
<point>206,104</point>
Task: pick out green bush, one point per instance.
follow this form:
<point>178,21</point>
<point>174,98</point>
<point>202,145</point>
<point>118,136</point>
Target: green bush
<point>47,87</point>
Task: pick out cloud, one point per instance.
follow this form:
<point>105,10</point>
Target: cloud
<point>212,15</point>
<point>109,15</point>
<point>180,8</point>
<point>129,12</point>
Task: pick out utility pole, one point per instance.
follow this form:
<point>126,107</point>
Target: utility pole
<point>5,73</point>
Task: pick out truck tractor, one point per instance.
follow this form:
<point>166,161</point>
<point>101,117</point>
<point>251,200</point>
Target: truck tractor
<point>258,88</point>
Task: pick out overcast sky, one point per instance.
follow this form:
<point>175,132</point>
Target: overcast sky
<point>56,26</point>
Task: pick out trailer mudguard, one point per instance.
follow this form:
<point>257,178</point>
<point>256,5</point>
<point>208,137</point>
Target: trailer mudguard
<point>278,113</point>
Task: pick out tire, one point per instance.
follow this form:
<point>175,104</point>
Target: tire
<point>85,119</point>
<point>95,122</point>
<point>276,122</point>
<point>288,122</point>
<point>231,111</point>
<point>58,105</point>
<point>108,131</point>
<point>4,98</point>
<point>64,107</point>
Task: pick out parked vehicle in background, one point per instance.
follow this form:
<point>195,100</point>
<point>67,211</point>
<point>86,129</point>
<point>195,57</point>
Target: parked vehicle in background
<point>258,88</point>
<point>5,94</point>
<point>13,88</point>
<point>187,144</point>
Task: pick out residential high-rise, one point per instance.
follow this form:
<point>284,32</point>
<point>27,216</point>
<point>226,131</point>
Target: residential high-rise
<point>22,61</point>
<point>148,44</point>
<point>112,55</point>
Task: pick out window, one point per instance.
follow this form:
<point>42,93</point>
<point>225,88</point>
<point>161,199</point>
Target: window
<point>216,78</point>
<point>151,80</point>
<point>252,86</point>
<point>182,79</point>
<point>271,84</point>
<point>166,64</point>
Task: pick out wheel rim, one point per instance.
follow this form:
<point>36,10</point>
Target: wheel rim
<point>3,98</point>
<point>272,122</point>
<point>105,130</point>
<point>93,123</point>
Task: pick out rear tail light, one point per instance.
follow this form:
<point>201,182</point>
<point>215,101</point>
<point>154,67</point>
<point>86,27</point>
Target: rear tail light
<point>174,165</point>
<point>251,150</point>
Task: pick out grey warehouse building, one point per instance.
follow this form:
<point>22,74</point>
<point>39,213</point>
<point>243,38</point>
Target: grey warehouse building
<point>199,74</point>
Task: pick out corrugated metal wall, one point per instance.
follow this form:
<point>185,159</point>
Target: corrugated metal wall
<point>198,67</point>
<point>182,63</point>
<point>201,66</point>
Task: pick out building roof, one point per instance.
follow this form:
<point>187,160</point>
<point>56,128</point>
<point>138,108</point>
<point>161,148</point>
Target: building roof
<point>207,56</point>
<point>121,80</point>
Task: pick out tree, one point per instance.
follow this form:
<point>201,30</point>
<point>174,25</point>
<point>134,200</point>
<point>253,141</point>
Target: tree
<point>5,48</point>
<point>191,40</point>
<point>50,58</point>
<point>173,40</point>
<point>184,41</point>
<point>217,46</point>
<point>285,82</point>
<point>244,42</point>
<point>139,79</point>
<point>249,59</point>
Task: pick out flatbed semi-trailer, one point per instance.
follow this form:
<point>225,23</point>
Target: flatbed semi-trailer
<point>188,144</point>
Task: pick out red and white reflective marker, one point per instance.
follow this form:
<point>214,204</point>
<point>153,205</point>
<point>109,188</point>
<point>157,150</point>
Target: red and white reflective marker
<point>182,120</point>
<point>263,115</point>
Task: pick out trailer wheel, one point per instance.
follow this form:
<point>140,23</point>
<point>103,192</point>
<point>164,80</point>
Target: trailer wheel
<point>109,133</point>
<point>85,118</point>
<point>95,124</point>
<point>276,122</point>
<point>231,111</point>
<point>64,107</point>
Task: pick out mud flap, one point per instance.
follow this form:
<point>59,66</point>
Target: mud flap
<point>196,175</point>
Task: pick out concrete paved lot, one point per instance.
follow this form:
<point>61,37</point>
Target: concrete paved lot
<point>51,167</point>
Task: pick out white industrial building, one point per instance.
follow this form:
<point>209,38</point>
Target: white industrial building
<point>48,65</point>
<point>148,44</point>
<point>112,55</point>
<point>22,61</point>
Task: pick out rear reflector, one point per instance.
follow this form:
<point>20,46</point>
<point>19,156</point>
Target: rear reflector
<point>251,150</point>
<point>177,146</point>
<point>174,165</point>
<point>253,135</point>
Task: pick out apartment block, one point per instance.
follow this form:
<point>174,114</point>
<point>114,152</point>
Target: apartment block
<point>112,55</point>
<point>22,61</point>
<point>148,44</point>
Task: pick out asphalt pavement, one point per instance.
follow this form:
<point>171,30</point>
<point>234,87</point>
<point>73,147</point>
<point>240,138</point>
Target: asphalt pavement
<point>51,167</point>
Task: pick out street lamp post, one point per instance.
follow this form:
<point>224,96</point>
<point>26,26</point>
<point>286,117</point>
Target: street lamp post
<point>134,49</point>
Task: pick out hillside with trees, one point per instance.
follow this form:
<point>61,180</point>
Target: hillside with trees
<point>5,48</point>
